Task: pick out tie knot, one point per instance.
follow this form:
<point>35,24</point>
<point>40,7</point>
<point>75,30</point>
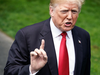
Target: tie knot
<point>64,34</point>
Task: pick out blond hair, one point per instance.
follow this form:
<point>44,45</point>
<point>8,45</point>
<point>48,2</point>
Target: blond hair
<point>55,2</point>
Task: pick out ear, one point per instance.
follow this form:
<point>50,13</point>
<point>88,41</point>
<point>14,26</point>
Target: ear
<point>51,10</point>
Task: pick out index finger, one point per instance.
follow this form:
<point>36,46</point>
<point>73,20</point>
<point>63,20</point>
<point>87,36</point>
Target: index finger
<point>42,44</point>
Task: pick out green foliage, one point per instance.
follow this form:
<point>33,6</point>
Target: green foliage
<point>16,14</point>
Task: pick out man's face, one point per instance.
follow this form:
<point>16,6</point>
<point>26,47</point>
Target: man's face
<point>64,15</point>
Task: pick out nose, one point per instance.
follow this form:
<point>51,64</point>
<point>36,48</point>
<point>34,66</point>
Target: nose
<point>69,16</point>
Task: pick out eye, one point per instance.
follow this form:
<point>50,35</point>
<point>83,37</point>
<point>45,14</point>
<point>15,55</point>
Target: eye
<point>64,11</point>
<point>74,11</point>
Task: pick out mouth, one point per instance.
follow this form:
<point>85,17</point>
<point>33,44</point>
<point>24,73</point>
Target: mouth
<point>68,24</point>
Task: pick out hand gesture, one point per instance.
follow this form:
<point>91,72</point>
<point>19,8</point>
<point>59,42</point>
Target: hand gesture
<point>38,58</point>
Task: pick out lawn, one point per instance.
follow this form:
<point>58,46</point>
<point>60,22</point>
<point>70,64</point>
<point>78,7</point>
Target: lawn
<point>16,14</point>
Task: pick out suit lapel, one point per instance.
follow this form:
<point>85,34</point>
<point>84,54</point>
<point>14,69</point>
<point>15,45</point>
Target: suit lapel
<point>78,51</point>
<point>49,47</point>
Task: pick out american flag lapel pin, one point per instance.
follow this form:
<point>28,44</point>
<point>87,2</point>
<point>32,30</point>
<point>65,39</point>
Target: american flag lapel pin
<point>79,41</point>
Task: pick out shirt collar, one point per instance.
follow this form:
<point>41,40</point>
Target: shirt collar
<point>56,32</point>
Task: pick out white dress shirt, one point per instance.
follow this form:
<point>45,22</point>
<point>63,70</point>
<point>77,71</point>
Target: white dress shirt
<point>56,33</point>
<point>70,46</point>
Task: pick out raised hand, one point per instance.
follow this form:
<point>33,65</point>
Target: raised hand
<point>38,58</point>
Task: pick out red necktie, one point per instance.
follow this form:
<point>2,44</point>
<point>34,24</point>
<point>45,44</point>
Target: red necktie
<point>63,68</point>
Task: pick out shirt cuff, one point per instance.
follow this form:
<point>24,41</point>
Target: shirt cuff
<point>33,73</point>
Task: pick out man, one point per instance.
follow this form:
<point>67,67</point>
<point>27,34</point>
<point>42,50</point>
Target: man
<point>29,55</point>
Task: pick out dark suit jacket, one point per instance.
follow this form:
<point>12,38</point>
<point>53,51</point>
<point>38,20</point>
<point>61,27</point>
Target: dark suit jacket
<point>29,38</point>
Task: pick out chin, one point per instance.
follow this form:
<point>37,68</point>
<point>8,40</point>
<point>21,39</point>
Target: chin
<point>67,29</point>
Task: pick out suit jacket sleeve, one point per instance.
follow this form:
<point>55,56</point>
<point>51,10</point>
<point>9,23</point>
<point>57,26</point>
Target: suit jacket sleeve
<point>88,63</point>
<point>86,54</point>
<point>19,57</point>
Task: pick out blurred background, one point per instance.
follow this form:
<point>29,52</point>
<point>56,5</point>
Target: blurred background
<point>16,14</point>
